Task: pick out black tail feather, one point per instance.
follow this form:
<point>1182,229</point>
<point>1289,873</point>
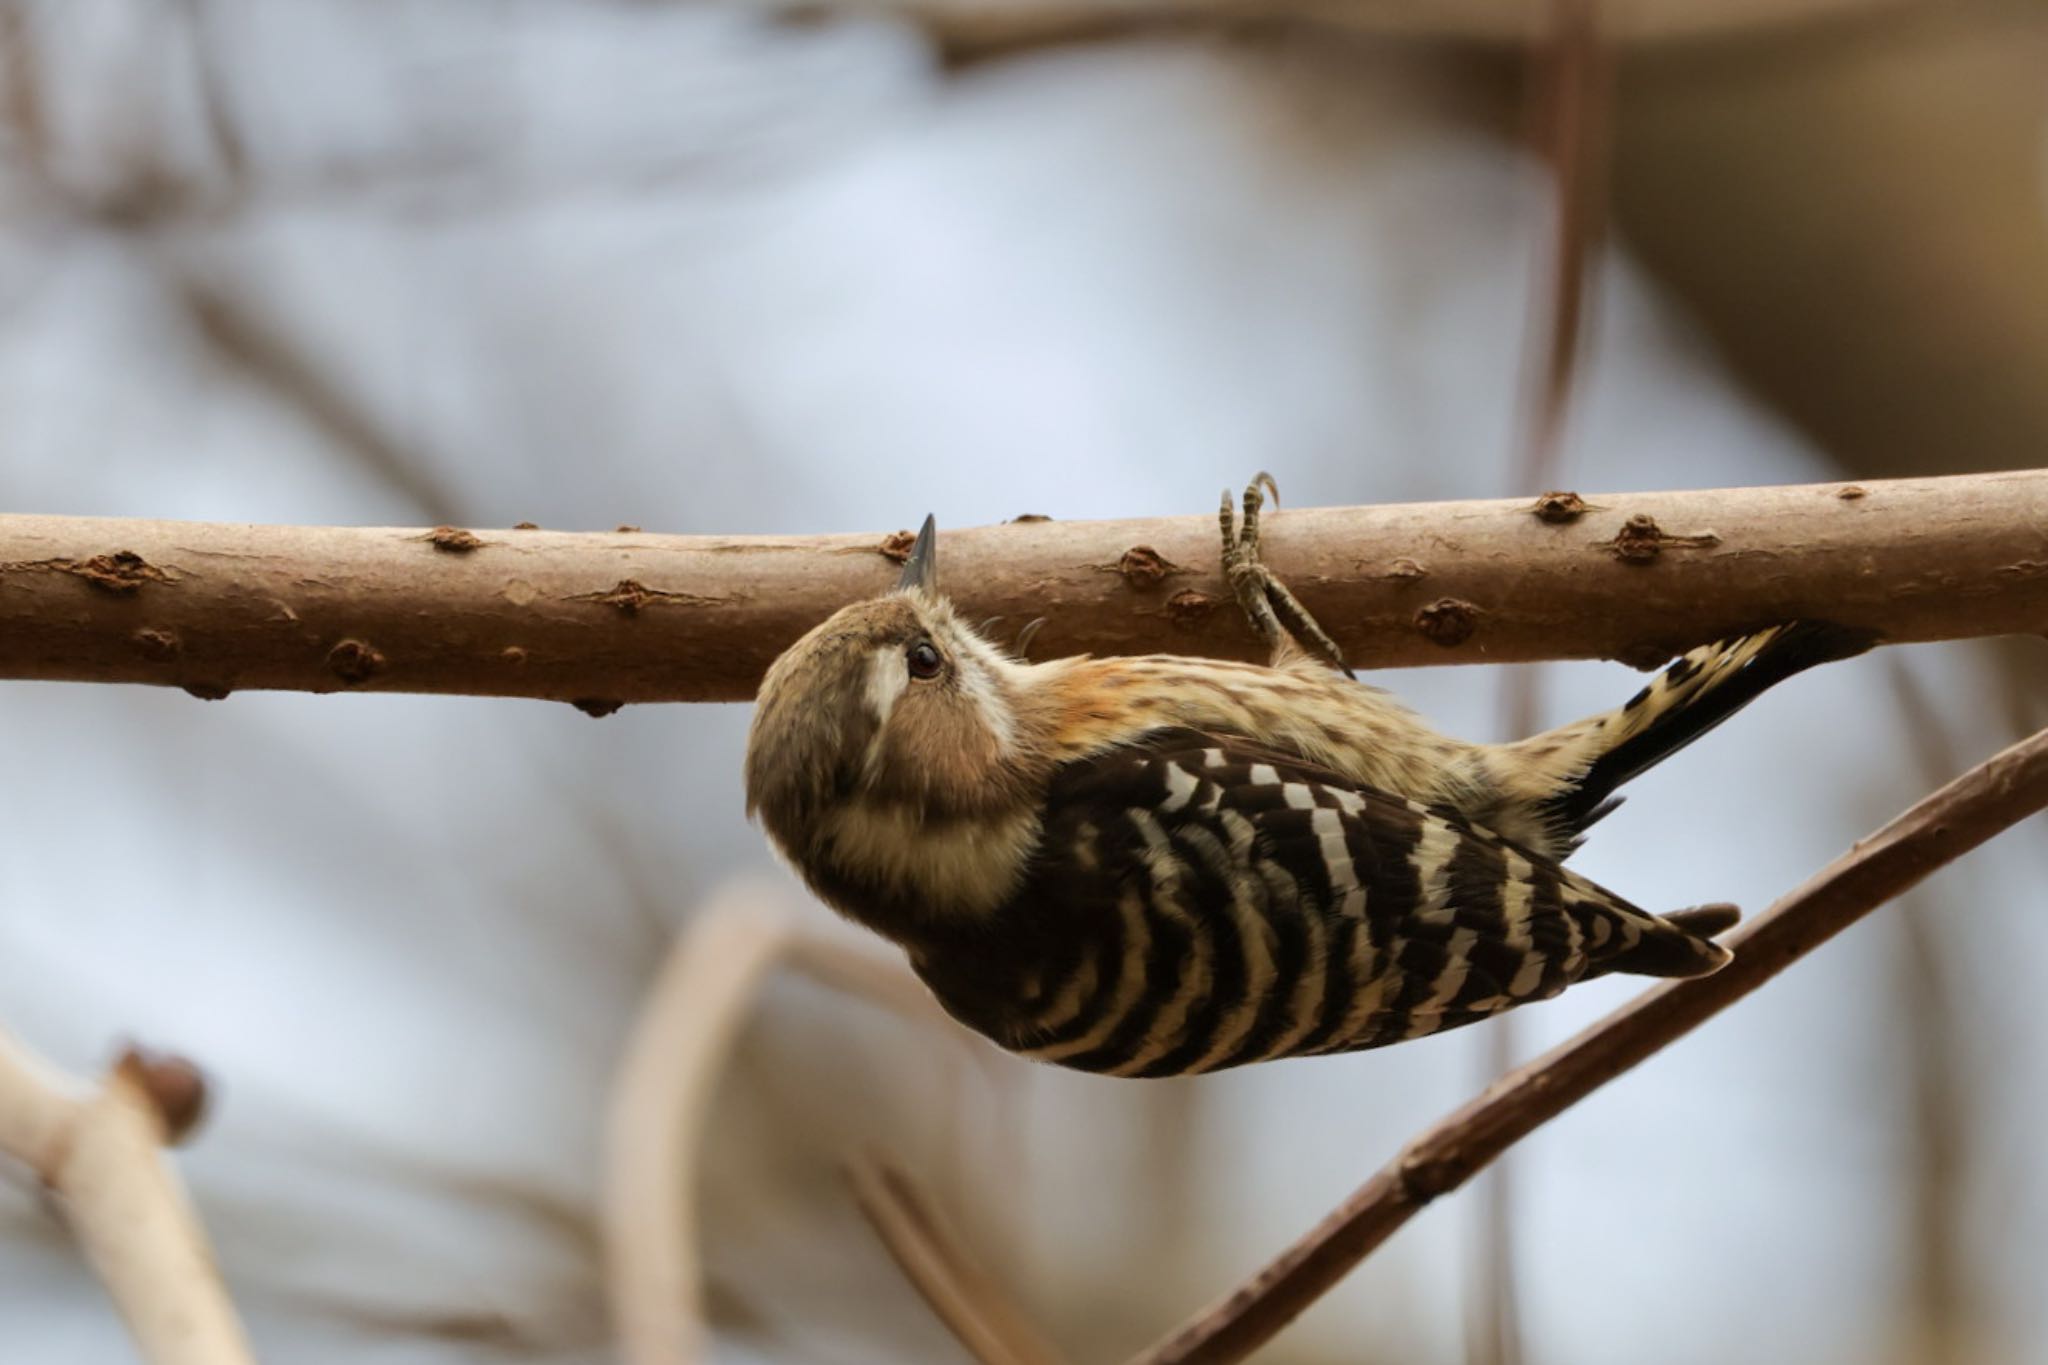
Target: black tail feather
<point>1793,648</point>
<point>1676,944</point>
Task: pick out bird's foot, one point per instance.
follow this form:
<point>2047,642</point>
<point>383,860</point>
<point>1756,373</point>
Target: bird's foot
<point>1273,611</point>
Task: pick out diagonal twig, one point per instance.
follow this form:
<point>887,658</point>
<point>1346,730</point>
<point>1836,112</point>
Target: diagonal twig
<point>974,1307</point>
<point>270,358</point>
<point>1937,830</point>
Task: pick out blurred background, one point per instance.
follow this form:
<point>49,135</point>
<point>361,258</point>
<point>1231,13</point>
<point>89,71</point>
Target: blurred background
<point>754,267</point>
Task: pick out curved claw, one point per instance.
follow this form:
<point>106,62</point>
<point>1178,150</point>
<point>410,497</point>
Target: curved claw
<point>1026,636</point>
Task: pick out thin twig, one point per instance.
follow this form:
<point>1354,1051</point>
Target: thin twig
<point>1936,831</point>
<point>662,1097</point>
<point>1572,116</point>
<point>615,617</point>
<point>979,29</point>
<point>662,1100</point>
<point>1937,1314</point>
<point>101,1152</point>
<point>977,1310</point>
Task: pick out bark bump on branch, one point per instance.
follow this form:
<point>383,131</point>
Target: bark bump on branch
<point>605,619</point>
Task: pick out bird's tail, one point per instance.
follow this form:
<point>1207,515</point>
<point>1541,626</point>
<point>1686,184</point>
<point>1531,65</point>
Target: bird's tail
<point>1590,758</point>
<point>1676,943</point>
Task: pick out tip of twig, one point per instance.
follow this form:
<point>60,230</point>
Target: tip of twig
<point>174,1087</point>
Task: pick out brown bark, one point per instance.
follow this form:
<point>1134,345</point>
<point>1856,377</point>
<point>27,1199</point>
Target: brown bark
<point>602,619</point>
<point>1939,829</point>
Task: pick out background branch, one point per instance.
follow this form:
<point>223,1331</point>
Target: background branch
<point>101,1152</point>
<point>1569,75</point>
<point>982,28</point>
<point>663,1100</point>
<point>606,619</point>
<point>978,1311</point>
<point>1937,830</point>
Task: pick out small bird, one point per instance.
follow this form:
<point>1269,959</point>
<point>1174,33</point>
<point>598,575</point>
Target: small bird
<point>1159,865</point>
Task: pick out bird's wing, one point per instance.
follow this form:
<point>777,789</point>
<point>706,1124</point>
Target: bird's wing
<point>1262,906</point>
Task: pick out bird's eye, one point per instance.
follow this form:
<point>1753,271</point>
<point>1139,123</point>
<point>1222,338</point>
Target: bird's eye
<point>924,660</point>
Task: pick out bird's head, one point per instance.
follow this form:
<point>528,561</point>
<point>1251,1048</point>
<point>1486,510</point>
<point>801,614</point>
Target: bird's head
<point>890,723</point>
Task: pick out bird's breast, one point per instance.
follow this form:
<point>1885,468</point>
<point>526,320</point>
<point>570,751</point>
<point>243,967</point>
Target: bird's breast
<point>943,869</point>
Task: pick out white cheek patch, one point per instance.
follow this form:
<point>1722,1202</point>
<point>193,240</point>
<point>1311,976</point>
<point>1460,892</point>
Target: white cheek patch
<point>977,667</point>
<point>888,674</point>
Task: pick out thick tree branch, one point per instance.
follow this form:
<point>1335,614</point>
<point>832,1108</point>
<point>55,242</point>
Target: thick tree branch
<point>1939,829</point>
<point>626,617</point>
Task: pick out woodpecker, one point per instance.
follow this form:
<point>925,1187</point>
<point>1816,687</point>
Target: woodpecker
<point>1159,865</point>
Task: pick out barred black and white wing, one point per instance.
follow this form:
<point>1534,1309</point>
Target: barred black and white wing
<point>1200,903</point>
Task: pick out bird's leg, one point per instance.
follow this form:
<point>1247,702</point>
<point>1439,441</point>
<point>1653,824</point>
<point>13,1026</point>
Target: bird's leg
<point>1274,611</point>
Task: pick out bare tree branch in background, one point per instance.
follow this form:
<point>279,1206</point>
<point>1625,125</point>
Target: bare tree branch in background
<point>1572,103</point>
<point>663,1100</point>
<point>274,362</point>
<point>101,1153</point>
<point>985,28</point>
<point>221,128</point>
<point>154,194</point>
<point>1572,79</point>
<point>1939,1318</point>
<point>21,92</point>
<point>606,619</point>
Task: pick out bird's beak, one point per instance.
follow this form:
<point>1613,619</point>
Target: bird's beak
<point>921,570</point>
